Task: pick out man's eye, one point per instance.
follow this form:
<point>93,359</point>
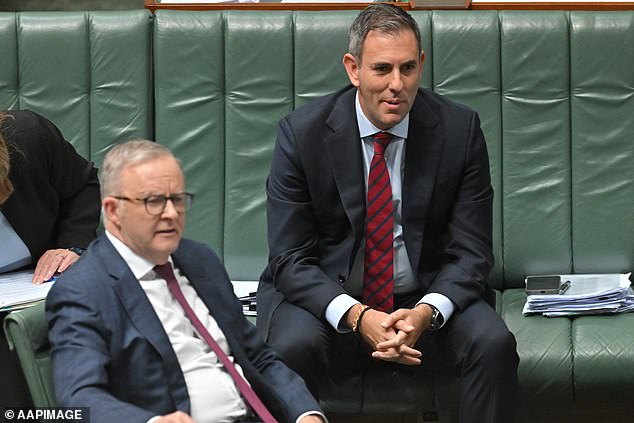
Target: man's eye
<point>409,68</point>
<point>381,69</point>
<point>155,201</point>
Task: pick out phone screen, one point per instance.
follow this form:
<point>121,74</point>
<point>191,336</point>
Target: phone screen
<point>543,284</point>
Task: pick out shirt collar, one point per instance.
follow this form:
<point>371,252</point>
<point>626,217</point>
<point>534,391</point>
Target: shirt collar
<point>139,266</point>
<point>367,128</point>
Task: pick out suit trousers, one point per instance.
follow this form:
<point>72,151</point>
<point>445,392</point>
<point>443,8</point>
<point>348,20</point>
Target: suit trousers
<point>474,345</point>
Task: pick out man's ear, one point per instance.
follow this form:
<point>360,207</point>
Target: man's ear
<point>352,68</point>
<point>110,209</point>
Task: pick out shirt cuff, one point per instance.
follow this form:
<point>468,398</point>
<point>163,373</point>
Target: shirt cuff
<point>442,303</point>
<point>153,419</point>
<point>311,413</point>
<point>337,308</point>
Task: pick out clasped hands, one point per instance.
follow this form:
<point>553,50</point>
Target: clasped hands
<point>392,336</point>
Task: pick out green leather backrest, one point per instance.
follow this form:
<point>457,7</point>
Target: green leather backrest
<point>89,72</point>
<point>554,91</point>
<point>602,145</point>
<point>465,66</point>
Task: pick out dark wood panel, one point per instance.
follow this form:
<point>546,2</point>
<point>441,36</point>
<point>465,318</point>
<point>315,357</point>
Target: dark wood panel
<point>152,5</point>
<point>412,4</point>
<point>510,5</point>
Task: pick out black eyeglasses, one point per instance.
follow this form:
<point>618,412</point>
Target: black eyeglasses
<point>155,204</point>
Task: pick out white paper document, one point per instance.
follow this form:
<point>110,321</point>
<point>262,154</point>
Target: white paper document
<point>245,291</point>
<point>16,290</point>
<point>588,294</point>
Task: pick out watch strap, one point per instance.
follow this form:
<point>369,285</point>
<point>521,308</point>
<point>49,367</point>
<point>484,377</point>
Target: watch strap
<point>76,250</point>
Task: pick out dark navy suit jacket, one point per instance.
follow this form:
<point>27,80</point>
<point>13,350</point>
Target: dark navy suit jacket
<point>111,353</point>
<point>316,203</point>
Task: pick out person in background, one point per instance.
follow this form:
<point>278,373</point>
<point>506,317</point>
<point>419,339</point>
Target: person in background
<point>49,197</point>
<point>49,213</point>
<point>379,208</point>
<point>146,326</point>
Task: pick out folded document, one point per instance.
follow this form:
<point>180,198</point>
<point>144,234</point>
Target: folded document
<point>17,291</point>
<point>588,294</point>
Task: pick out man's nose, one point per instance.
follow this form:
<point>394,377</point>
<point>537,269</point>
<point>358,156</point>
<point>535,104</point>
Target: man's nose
<point>396,81</point>
<point>170,210</point>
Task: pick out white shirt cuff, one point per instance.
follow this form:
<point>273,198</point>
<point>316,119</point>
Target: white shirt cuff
<point>442,303</point>
<point>337,308</point>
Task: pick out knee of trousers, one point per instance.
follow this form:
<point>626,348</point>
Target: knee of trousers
<point>495,348</point>
<point>300,347</point>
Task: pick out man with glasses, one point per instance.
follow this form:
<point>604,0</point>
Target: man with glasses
<point>146,327</point>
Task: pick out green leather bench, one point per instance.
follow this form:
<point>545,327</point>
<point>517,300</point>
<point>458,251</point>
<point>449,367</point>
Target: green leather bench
<point>89,72</point>
<point>555,92</point>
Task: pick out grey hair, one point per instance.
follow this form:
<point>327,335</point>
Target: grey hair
<point>130,153</point>
<point>381,17</point>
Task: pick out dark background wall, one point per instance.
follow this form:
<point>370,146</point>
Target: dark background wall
<point>29,5</point>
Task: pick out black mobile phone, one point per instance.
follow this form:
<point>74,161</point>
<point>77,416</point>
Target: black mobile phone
<point>545,284</point>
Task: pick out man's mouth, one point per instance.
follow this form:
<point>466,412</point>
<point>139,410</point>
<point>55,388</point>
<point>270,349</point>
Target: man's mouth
<point>166,231</point>
<point>392,103</point>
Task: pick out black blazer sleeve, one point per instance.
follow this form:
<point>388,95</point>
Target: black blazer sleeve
<point>310,235</point>
<point>456,254</point>
<point>56,199</point>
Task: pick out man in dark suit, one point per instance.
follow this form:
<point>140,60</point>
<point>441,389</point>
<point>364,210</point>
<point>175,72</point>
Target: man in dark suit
<point>123,343</point>
<point>322,292</point>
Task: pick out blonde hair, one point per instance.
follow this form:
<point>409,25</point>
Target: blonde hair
<point>6,187</point>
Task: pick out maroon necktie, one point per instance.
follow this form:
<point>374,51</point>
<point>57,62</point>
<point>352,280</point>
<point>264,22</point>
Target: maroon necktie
<point>378,275</point>
<point>165,271</point>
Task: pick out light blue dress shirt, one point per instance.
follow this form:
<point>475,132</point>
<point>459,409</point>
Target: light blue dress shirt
<point>404,278</point>
<point>13,251</point>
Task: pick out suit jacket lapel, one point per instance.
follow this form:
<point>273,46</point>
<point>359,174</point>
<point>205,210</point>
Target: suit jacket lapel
<point>344,154</point>
<point>143,317</point>
<point>423,150</point>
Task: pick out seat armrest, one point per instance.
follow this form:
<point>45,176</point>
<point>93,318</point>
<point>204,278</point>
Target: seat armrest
<point>27,334</point>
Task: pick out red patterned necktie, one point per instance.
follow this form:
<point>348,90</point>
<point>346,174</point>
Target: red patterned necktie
<point>378,275</point>
<point>165,271</point>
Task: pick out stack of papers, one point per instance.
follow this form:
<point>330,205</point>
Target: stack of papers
<point>249,306</point>
<point>17,291</point>
<point>246,292</point>
<point>588,294</point>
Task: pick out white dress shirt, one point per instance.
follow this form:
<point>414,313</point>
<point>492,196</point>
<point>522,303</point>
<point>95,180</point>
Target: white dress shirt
<point>404,279</point>
<point>206,379</point>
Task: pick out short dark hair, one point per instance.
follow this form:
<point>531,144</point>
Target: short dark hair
<point>381,17</point>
